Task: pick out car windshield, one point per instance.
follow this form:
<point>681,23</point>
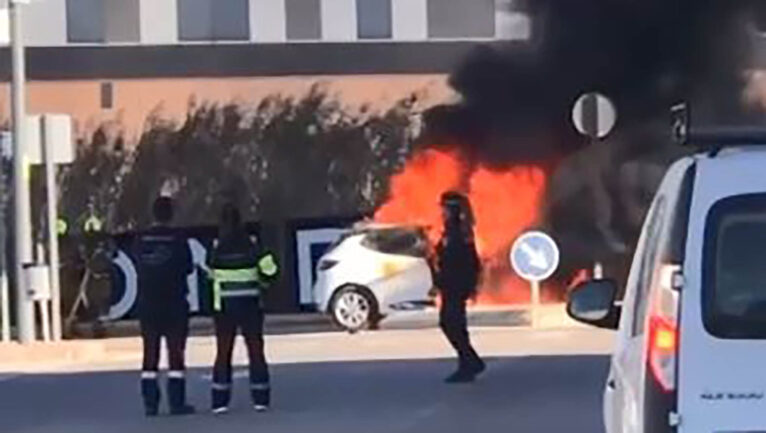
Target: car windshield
<point>404,241</point>
<point>735,284</point>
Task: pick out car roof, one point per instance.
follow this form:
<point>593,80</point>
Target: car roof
<point>367,226</point>
<point>734,152</point>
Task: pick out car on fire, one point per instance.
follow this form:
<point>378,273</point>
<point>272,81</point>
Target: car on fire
<point>371,272</point>
<point>691,329</point>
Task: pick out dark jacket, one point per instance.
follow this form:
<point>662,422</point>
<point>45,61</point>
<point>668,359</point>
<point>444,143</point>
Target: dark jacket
<point>163,263</point>
<point>99,254</point>
<point>458,266</point>
<point>234,251</point>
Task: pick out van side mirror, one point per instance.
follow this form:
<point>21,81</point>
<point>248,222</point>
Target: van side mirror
<point>593,303</point>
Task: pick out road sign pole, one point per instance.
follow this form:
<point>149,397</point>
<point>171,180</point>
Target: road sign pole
<point>25,323</point>
<point>53,241</point>
<point>534,257</point>
<point>5,307</point>
<point>5,297</point>
<point>535,286</point>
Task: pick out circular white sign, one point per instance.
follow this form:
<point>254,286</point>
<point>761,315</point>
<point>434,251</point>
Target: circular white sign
<point>535,256</point>
<point>594,115</point>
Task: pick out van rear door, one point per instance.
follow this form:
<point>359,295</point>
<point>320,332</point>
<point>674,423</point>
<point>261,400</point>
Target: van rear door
<point>722,354</point>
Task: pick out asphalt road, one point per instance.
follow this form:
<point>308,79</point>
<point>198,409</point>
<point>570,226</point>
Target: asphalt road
<point>518,394</point>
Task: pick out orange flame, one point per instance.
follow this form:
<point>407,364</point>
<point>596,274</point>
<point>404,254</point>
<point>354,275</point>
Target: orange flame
<point>505,203</point>
<point>415,192</point>
<point>579,277</point>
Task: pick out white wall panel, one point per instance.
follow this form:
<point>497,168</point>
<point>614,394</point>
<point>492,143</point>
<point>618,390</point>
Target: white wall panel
<point>410,20</point>
<point>338,20</point>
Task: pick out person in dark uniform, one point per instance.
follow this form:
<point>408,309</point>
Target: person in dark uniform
<point>163,263</point>
<point>240,272</point>
<point>456,274</point>
<point>99,254</point>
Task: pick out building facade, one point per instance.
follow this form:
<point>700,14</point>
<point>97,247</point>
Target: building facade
<point>106,60</point>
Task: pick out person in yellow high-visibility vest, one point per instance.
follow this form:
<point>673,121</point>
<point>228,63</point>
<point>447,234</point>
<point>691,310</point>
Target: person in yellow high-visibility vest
<point>240,272</point>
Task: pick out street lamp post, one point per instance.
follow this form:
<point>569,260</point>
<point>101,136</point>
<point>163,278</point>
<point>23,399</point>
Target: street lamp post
<point>25,323</point>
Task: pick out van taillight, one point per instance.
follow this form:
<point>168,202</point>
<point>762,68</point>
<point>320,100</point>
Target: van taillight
<point>663,345</point>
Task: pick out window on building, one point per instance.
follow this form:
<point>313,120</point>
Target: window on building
<point>86,20</point>
<point>107,95</point>
<point>304,19</point>
<point>373,19</point>
<point>213,20</point>
<point>461,18</point>
<point>98,21</point>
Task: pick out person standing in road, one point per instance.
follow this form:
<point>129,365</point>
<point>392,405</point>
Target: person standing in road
<point>164,261</point>
<point>240,272</point>
<point>456,274</point>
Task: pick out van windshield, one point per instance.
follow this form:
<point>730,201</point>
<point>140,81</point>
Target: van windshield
<point>734,271</point>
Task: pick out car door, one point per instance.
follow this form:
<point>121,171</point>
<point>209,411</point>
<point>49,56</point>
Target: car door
<point>622,401</point>
<point>722,380</point>
<point>404,272</point>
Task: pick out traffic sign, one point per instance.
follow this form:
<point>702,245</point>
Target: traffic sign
<point>594,115</point>
<point>54,128</point>
<point>535,256</point>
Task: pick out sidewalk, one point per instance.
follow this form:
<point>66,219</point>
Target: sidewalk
<point>126,348</point>
<point>274,324</point>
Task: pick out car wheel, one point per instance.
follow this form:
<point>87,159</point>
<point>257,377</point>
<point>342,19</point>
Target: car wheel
<point>353,308</point>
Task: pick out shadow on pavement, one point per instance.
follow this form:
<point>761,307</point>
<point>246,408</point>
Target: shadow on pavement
<point>519,395</point>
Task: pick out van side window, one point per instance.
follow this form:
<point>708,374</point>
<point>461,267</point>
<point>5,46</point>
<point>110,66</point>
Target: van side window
<point>648,265</point>
<point>733,271</point>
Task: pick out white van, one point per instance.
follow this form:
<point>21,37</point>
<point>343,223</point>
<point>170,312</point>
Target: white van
<point>690,355</point>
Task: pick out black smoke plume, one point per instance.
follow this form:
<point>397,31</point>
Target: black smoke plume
<point>645,55</point>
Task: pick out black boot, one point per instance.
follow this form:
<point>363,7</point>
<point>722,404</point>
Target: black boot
<point>461,376</point>
<point>466,370</point>
<point>177,397</point>
<point>221,394</point>
<point>150,391</point>
<point>478,366</point>
<point>261,396</point>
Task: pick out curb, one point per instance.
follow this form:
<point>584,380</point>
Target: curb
<point>121,343</point>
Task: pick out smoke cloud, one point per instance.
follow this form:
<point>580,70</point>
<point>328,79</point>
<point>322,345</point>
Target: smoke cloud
<point>644,55</point>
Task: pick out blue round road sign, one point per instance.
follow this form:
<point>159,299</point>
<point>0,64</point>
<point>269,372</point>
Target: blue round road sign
<point>535,256</point>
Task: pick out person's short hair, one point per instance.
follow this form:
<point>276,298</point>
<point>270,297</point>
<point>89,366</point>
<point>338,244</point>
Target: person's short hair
<point>163,209</point>
<point>453,198</point>
<point>230,215</point>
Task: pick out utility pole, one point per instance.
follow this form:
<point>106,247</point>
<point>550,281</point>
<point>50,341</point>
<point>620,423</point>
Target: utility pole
<point>25,321</point>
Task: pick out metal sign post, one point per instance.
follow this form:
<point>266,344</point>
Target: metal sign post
<point>50,142</point>
<point>5,298</point>
<point>53,243</point>
<point>535,257</point>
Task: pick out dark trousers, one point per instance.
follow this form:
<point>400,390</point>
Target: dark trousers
<point>175,329</point>
<point>243,315</point>
<point>454,324</point>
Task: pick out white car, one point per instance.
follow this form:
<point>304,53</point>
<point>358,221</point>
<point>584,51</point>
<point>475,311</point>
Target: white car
<point>372,272</point>
<point>690,352</point>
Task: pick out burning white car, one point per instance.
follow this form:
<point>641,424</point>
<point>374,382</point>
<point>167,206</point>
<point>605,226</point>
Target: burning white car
<point>372,272</point>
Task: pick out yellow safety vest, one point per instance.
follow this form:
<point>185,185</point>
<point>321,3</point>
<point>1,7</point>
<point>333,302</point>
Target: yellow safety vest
<point>267,267</point>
